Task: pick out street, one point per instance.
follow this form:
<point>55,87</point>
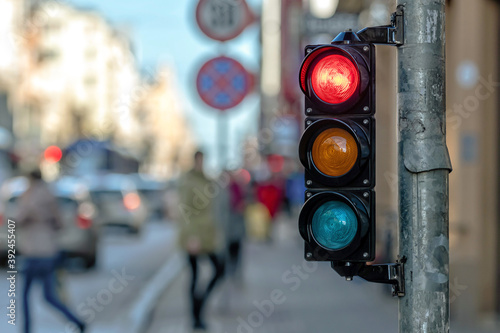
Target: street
<point>104,296</point>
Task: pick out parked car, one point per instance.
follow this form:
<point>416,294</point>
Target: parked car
<point>117,201</point>
<point>152,192</point>
<point>78,237</point>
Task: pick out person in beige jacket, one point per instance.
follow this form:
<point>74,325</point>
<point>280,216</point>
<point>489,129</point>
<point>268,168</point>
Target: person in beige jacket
<point>37,223</point>
<point>198,232</point>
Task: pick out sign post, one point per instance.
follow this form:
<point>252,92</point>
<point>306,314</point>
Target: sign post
<point>222,82</point>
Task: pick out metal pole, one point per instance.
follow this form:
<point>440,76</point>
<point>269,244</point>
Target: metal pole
<point>424,165</point>
<point>222,138</point>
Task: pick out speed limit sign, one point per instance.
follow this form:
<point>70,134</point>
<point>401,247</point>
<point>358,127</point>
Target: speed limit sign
<point>223,20</point>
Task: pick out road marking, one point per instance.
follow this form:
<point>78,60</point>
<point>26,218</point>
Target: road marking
<point>151,292</point>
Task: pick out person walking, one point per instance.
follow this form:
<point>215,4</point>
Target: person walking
<point>235,228</point>
<point>38,222</point>
<point>198,233</point>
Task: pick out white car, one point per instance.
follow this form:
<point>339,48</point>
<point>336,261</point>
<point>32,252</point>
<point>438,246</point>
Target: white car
<point>118,201</point>
<point>153,193</point>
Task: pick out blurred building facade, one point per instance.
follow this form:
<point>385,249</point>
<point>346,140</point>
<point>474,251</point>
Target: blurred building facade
<point>472,127</point>
<point>473,140</point>
<point>66,74</point>
<point>79,79</point>
<point>12,44</point>
<point>169,140</point>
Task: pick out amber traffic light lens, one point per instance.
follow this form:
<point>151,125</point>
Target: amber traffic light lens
<point>334,79</point>
<point>334,152</point>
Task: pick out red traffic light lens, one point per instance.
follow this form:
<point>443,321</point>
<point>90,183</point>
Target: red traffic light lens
<point>334,152</point>
<point>334,78</point>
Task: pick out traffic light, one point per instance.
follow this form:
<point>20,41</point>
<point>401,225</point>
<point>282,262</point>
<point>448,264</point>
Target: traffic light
<point>337,150</point>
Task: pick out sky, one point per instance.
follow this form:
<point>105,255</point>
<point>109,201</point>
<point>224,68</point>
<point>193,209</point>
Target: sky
<point>165,33</point>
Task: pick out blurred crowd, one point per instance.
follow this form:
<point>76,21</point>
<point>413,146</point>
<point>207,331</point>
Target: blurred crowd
<point>215,216</point>
<point>62,220</point>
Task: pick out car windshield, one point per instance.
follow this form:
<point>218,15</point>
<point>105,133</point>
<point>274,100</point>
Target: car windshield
<point>66,203</point>
<point>150,192</point>
<point>106,195</point>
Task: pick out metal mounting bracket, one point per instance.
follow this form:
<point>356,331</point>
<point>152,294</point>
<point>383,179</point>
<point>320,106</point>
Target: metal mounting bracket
<point>392,274</point>
<point>392,34</point>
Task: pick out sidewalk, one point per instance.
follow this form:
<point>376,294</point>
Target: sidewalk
<point>282,293</point>
<point>107,306</point>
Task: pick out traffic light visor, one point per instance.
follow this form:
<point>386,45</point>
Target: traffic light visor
<point>334,152</point>
<point>334,225</point>
<point>334,78</point>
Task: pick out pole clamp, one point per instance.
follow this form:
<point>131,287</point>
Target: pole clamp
<point>392,34</point>
<point>393,274</point>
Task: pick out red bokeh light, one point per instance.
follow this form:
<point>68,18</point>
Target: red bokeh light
<point>245,176</point>
<point>276,163</point>
<point>83,222</point>
<point>131,201</point>
<point>53,154</point>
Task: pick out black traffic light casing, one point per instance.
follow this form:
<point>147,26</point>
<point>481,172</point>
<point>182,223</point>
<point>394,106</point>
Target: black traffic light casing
<point>363,54</point>
<point>351,115</point>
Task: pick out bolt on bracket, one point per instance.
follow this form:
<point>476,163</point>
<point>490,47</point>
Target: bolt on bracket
<point>392,34</point>
<point>392,274</point>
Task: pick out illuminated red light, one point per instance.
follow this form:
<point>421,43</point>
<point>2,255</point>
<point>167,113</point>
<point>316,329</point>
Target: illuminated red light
<point>334,79</point>
<point>52,154</point>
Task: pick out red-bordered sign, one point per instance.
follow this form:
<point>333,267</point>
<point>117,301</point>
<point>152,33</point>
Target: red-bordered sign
<point>223,83</point>
<point>223,20</point>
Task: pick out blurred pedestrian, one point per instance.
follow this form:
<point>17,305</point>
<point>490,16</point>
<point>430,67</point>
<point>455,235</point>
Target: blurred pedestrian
<point>235,227</point>
<point>198,233</point>
<point>270,194</point>
<point>294,191</point>
<point>258,220</point>
<point>38,222</point>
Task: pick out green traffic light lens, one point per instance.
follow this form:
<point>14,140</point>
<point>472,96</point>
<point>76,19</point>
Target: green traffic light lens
<point>334,225</point>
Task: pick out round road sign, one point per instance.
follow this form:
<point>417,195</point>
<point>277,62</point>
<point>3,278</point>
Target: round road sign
<point>223,20</point>
<point>223,83</point>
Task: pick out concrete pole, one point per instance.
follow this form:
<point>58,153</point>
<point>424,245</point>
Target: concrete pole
<point>424,165</point>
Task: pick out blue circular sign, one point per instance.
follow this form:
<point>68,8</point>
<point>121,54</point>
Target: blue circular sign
<point>223,83</point>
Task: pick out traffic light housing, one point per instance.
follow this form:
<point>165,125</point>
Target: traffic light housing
<point>337,150</point>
